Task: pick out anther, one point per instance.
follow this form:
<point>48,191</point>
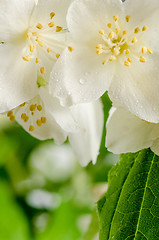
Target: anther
<point>41,44</point>
<point>149,50</point>
<point>137,30</point>
<point>117,30</point>
<point>99,51</point>
<point>111,35</point>
<point>144,50</point>
<point>39,107</point>
<point>22,105</point>
<point>43,119</point>
<point>134,40</point>
<point>39,123</point>
<point>10,113</point>
<point>32,48</point>
<point>39,26</point>
<point>127,63</point>
<point>57,55</point>
<point>127,18</point>
<point>116,52</point>
<point>42,70</point>
<point>58,29</point>
<point>12,118</point>
<point>52,14</point>
<point>142,59</point>
<point>104,62</point>
<point>116,18</point>
<point>129,60</point>
<point>98,46</point>
<point>144,28</point>
<point>112,58</point>
<point>101,31</point>
<point>51,24</point>
<point>26,58</point>
<point>124,32</point>
<point>70,49</point>
<point>37,60</point>
<point>32,107</point>
<point>49,50</point>
<point>26,119</point>
<point>127,51</point>
<point>109,25</point>
<point>23,116</point>
<point>31,128</point>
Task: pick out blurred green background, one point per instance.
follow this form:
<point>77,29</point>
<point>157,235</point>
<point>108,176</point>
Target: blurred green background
<point>44,193</point>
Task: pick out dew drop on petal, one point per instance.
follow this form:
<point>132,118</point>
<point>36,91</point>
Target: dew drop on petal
<point>82,81</point>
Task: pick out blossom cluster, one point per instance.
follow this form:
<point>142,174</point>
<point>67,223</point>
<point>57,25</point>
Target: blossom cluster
<point>58,57</point>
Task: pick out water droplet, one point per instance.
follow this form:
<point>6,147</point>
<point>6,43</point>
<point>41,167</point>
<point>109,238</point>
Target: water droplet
<point>82,81</point>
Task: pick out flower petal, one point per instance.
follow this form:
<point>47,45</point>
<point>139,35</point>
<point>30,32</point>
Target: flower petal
<point>14,18</point>
<point>43,10</point>
<point>155,147</point>
<point>136,88</point>
<point>36,119</point>
<point>62,115</point>
<point>86,18</point>
<point>17,77</point>
<point>80,76</point>
<point>86,142</point>
<point>128,133</point>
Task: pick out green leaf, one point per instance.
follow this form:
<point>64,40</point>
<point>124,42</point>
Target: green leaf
<point>130,208</point>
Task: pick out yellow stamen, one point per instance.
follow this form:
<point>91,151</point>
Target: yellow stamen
<point>12,118</point>
<point>144,28</point>
<point>57,55</point>
<point>144,50</point>
<point>101,31</point>
<point>70,48</point>
<point>35,34</point>
<point>26,58</point>
<point>149,50</point>
<point>39,107</point>
<point>22,105</point>
<point>37,60</point>
<point>52,14</point>
<point>109,25</point>
<point>58,29</point>
<point>124,32</point>
<point>41,44</point>
<point>111,35</point>
<point>112,58</point>
<point>26,119</point>
<point>134,40</point>
<point>39,123</point>
<point>129,60</point>
<point>31,128</point>
<point>23,116</point>
<point>104,62</point>
<point>32,107</point>
<point>10,113</point>
<point>32,48</point>
<point>99,51</point>
<point>142,59</point>
<point>127,63</point>
<point>99,46</point>
<point>51,24</point>
<point>39,26</point>
<point>127,18</point>
<point>116,52</point>
<point>137,30</point>
<point>43,119</point>
<point>42,70</point>
<point>49,50</point>
<point>116,18</point>
<point>117,30</point>
<point>127,51</point>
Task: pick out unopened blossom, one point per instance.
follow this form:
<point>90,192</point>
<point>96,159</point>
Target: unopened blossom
<point>32,38</point>
<point>44,118</point>
<point>115,48</point>
<point>128,133</point>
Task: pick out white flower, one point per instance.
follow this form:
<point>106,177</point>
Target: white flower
<point>43,117</point>
<point>128,133</point>
<point>116,49</point>
<point>33,37</point>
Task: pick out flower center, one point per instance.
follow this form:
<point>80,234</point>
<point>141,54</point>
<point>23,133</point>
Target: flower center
<point>118,43</point>
<point>50,40</point>
<point>31,114</point>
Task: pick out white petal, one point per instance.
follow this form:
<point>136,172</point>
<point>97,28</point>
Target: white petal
<point>128,133</point>
<point>43,10</point>
<point>136,88</point>
<point>155,146</point>
<point>17,77</point>
<point>62,115</point>
<point>86,142</point>
<point>46,130</point>
<point>80,76</point>
<point>86,18</point>
<point>14,18</point>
